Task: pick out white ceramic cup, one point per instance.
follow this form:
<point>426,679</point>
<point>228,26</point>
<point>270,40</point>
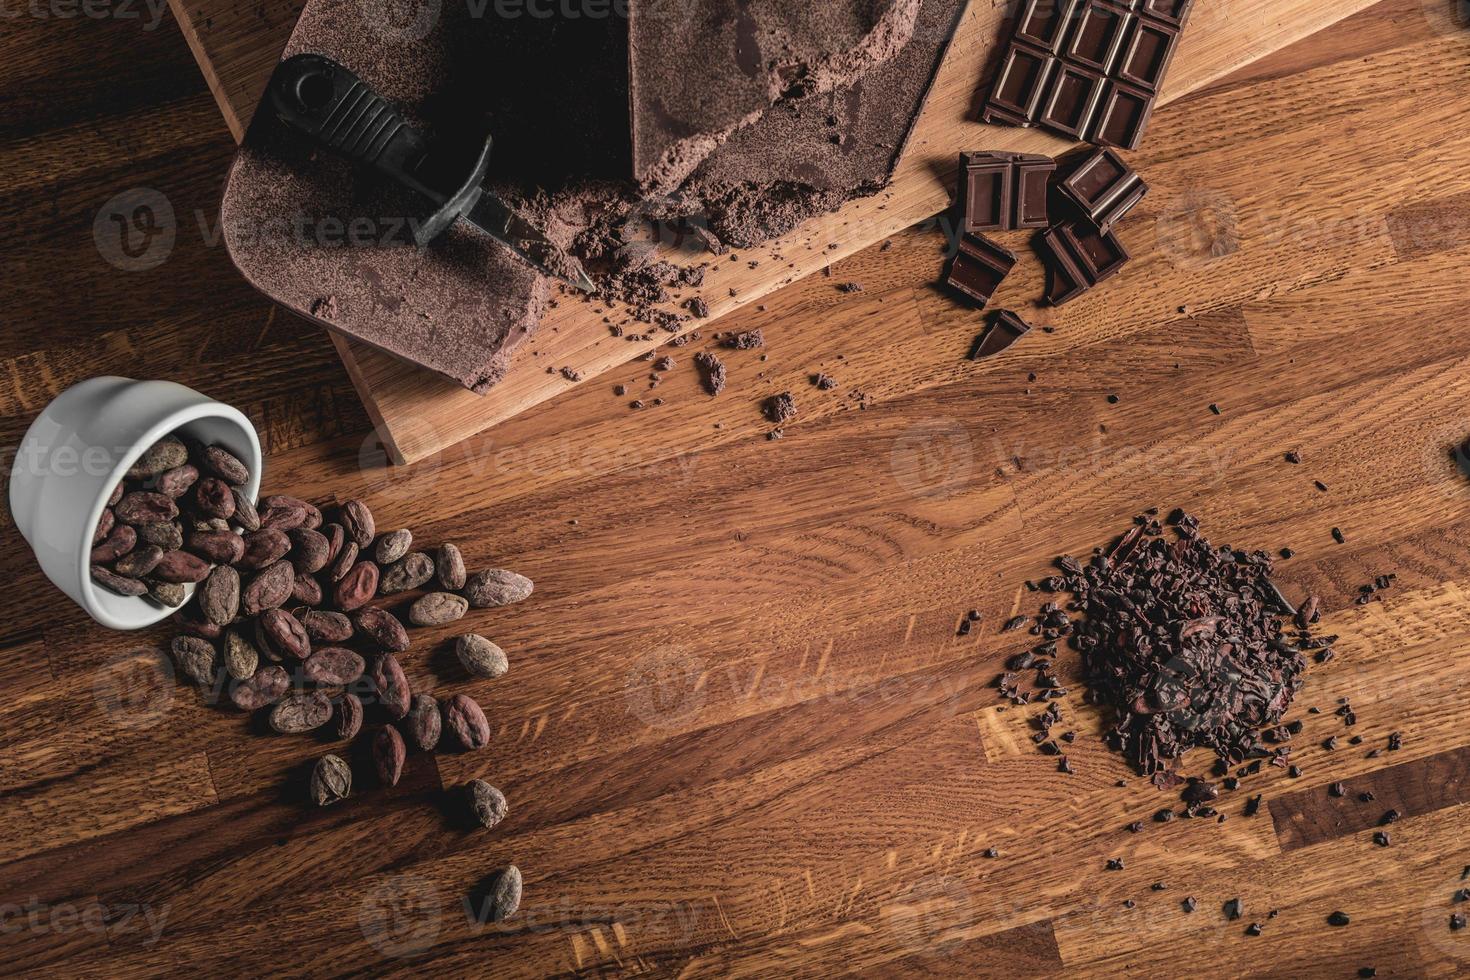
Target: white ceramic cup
<point>75,453</point>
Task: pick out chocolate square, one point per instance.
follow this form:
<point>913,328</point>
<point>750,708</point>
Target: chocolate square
<point>979,267</point>
<point>1147,54</point>
<point>1174,12</point>
<point>1044,23</point>
<point>986,180</point>
<point>1032,175</point>
<point>1024,75</point>
<point>1104,187</point>
<point>1124,116</point>
<point>1098,36</point>
<point>1102,254</point>
<point>1071,103</point>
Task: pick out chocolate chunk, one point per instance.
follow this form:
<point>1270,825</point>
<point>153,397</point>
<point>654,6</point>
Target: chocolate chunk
<point>1078,256</point>
<point>978,268</point>
<point>1104,188</point>
<point>1003,191</point>
<point>1004,330</point>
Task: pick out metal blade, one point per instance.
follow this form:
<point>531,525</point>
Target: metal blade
<point>496,219</point>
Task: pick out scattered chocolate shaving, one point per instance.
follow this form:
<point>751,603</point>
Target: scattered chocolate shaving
<point>850,287</point>
<point>698,307</point>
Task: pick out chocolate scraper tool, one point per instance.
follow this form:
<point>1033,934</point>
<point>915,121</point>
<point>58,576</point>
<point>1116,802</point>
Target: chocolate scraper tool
<point>326,101</point>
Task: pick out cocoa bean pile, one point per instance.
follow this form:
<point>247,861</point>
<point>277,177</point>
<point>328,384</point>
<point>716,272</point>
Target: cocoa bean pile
<point>291,614</point>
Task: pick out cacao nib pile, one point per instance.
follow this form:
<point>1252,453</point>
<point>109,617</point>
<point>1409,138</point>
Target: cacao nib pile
<point>1184,643</point>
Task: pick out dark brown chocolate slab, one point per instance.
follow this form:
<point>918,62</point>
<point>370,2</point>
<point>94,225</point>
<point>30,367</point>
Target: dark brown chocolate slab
<point>979,267</point>
<point>1005,328</point>
<point>1003,191</point>
<point>1086,69</point>
<point>1104,187</point>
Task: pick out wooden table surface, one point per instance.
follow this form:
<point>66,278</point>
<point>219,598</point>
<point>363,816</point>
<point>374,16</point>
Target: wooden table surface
<point>740,735</point>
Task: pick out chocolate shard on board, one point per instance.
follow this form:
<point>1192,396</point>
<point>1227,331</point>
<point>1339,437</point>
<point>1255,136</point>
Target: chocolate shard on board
<point>1079,256</point>
<point>1104,187</point>
<point>1004,191</point>
<point>978,267</point>
<point>1087,69</point>
<point>1005,328</point>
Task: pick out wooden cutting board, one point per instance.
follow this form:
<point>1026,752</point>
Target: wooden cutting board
<point>418,413</point>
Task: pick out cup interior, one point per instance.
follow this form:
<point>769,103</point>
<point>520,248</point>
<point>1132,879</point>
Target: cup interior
<point>210,425</point>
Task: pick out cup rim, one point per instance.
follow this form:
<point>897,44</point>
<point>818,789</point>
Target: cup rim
<point>151,614</point>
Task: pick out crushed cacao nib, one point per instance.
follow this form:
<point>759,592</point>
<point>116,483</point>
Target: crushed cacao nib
<point>1381,838</point>
<point>1234,909</point>
<point>698,307</point>
<point>1338,919</point>
<point>1115,864</point>
<point>1189,904</point>
<point>850,287</point>
<point>1185,643</point>
<point>823,381</point>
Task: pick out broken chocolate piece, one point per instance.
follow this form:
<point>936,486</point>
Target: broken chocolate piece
<point>979,267</point>
<point>1079,256</point>
<point>1004,330</point>
<point>1104,187</point>
<point>1004,191</point>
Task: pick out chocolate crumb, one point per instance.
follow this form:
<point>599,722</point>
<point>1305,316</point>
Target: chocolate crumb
<point>1338,919</point>
<point>781,408</point>
<point>712,372</point>
<point>698,307</point>
<point>571,374</point>
<point>824,382</point>
<point>325,308</point>
<point>746,340</point>
<point>850,287</point>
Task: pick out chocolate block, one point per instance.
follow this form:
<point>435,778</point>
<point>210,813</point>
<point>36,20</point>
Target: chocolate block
<point>1005,329</point>
<point>1104,187</point>
<point>1098,36</point>
<point>978,267</point>
<point>1087,69</point>
<point>1071,105</point>
<point>1024,75</point>
<point>1123,117</point>
<point>1147,54</point>
<point>1079,256</point>
<point>1044,23</point>
<point>1004,191</point>
<point>1174,12</point>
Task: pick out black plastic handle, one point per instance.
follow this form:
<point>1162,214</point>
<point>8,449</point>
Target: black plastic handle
<point>328,102</point>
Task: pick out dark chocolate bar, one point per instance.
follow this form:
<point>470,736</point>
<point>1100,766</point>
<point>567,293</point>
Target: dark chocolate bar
<point>1104,187</point>
<point>1087,69</point>
<point>1003,191</point>
<point>1079,256</point>
<point>978,267</point>
<point>1005,329</point>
